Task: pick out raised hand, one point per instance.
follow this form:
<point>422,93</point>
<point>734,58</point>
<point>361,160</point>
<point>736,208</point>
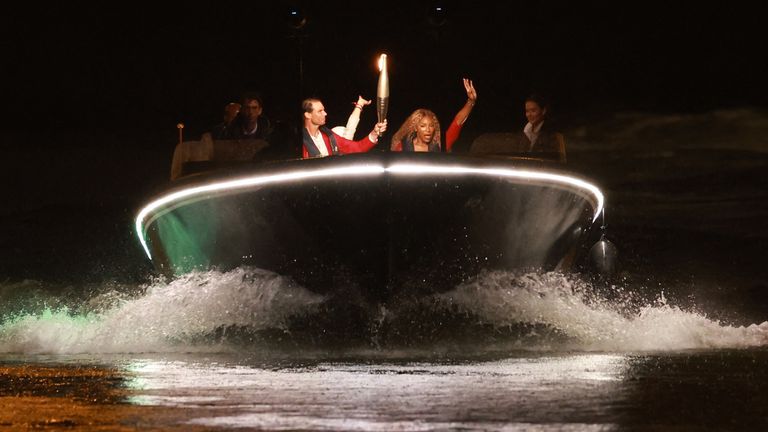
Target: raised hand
<point>470,88</point>
<point>363,102</point>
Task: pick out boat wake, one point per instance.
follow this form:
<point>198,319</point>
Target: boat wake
<point>589,320</point>
<point>249,309</point>
<point>179,316</point>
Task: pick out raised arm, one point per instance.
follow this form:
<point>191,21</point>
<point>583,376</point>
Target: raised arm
<point>354,118</point>
<point>463,114</point>
<point>452,134</point>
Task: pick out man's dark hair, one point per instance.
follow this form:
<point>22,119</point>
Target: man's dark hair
<point>251,96</point>
<point>306,104</point>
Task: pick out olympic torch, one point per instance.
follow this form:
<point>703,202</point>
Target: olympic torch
<point>382,91</point>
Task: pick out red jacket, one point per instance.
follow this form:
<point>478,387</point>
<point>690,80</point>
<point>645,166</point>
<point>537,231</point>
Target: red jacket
<point>343,145</point>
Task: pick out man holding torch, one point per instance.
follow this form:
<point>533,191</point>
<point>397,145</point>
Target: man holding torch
<point>319,141</point>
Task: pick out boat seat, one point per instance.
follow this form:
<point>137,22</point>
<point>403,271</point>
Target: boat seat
<point>508,144</point>
<point>191,157</point>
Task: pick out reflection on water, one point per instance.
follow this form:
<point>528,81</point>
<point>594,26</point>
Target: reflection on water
<point>580,392</point>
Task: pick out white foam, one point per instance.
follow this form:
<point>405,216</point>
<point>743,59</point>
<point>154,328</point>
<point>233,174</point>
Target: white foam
<point>177,316</point>
<point>165,319</point>
<point>559,301</point>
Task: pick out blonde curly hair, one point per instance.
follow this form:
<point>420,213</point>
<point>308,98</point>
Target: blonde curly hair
<point>410,125</point>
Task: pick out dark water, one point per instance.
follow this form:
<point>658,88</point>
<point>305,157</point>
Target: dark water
<point>677,341</point>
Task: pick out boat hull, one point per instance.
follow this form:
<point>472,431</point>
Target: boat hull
<point>382,225</point>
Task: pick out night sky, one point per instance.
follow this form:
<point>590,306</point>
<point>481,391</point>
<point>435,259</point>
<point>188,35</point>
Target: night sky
<point>140,69</point>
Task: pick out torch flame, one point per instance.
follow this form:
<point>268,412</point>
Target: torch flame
<point>382,62</point>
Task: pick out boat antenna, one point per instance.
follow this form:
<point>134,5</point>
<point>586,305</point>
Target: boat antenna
<point>180,127</point>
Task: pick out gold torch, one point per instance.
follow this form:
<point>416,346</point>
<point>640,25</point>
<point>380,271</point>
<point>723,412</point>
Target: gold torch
<point>382,91</point>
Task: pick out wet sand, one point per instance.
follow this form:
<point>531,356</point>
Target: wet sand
<point>77,398</point>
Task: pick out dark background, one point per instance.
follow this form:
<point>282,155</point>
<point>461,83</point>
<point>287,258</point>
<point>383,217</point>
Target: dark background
<point>91,97</point>
<point>140,69</point>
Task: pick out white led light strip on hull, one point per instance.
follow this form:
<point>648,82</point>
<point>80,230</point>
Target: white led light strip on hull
<point>361,170</point>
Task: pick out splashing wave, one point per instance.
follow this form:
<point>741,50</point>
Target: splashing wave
<point>167,317</point>
<point>567,304</point>
<point>191,313</point>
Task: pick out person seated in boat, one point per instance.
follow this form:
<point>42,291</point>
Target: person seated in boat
<point>538,136</point>
<point>319,141</point>
<point>250,122</point>
<point>231,110</point>
<point>421,130</point>
<point>348,131</point>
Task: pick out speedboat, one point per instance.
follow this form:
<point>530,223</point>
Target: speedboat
<point>383,224</point>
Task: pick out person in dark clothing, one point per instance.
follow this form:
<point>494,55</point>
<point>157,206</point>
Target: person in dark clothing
<point>221,130</point>
<point>246,123</point>
<point>251,123</point>
<point>539,137</point>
